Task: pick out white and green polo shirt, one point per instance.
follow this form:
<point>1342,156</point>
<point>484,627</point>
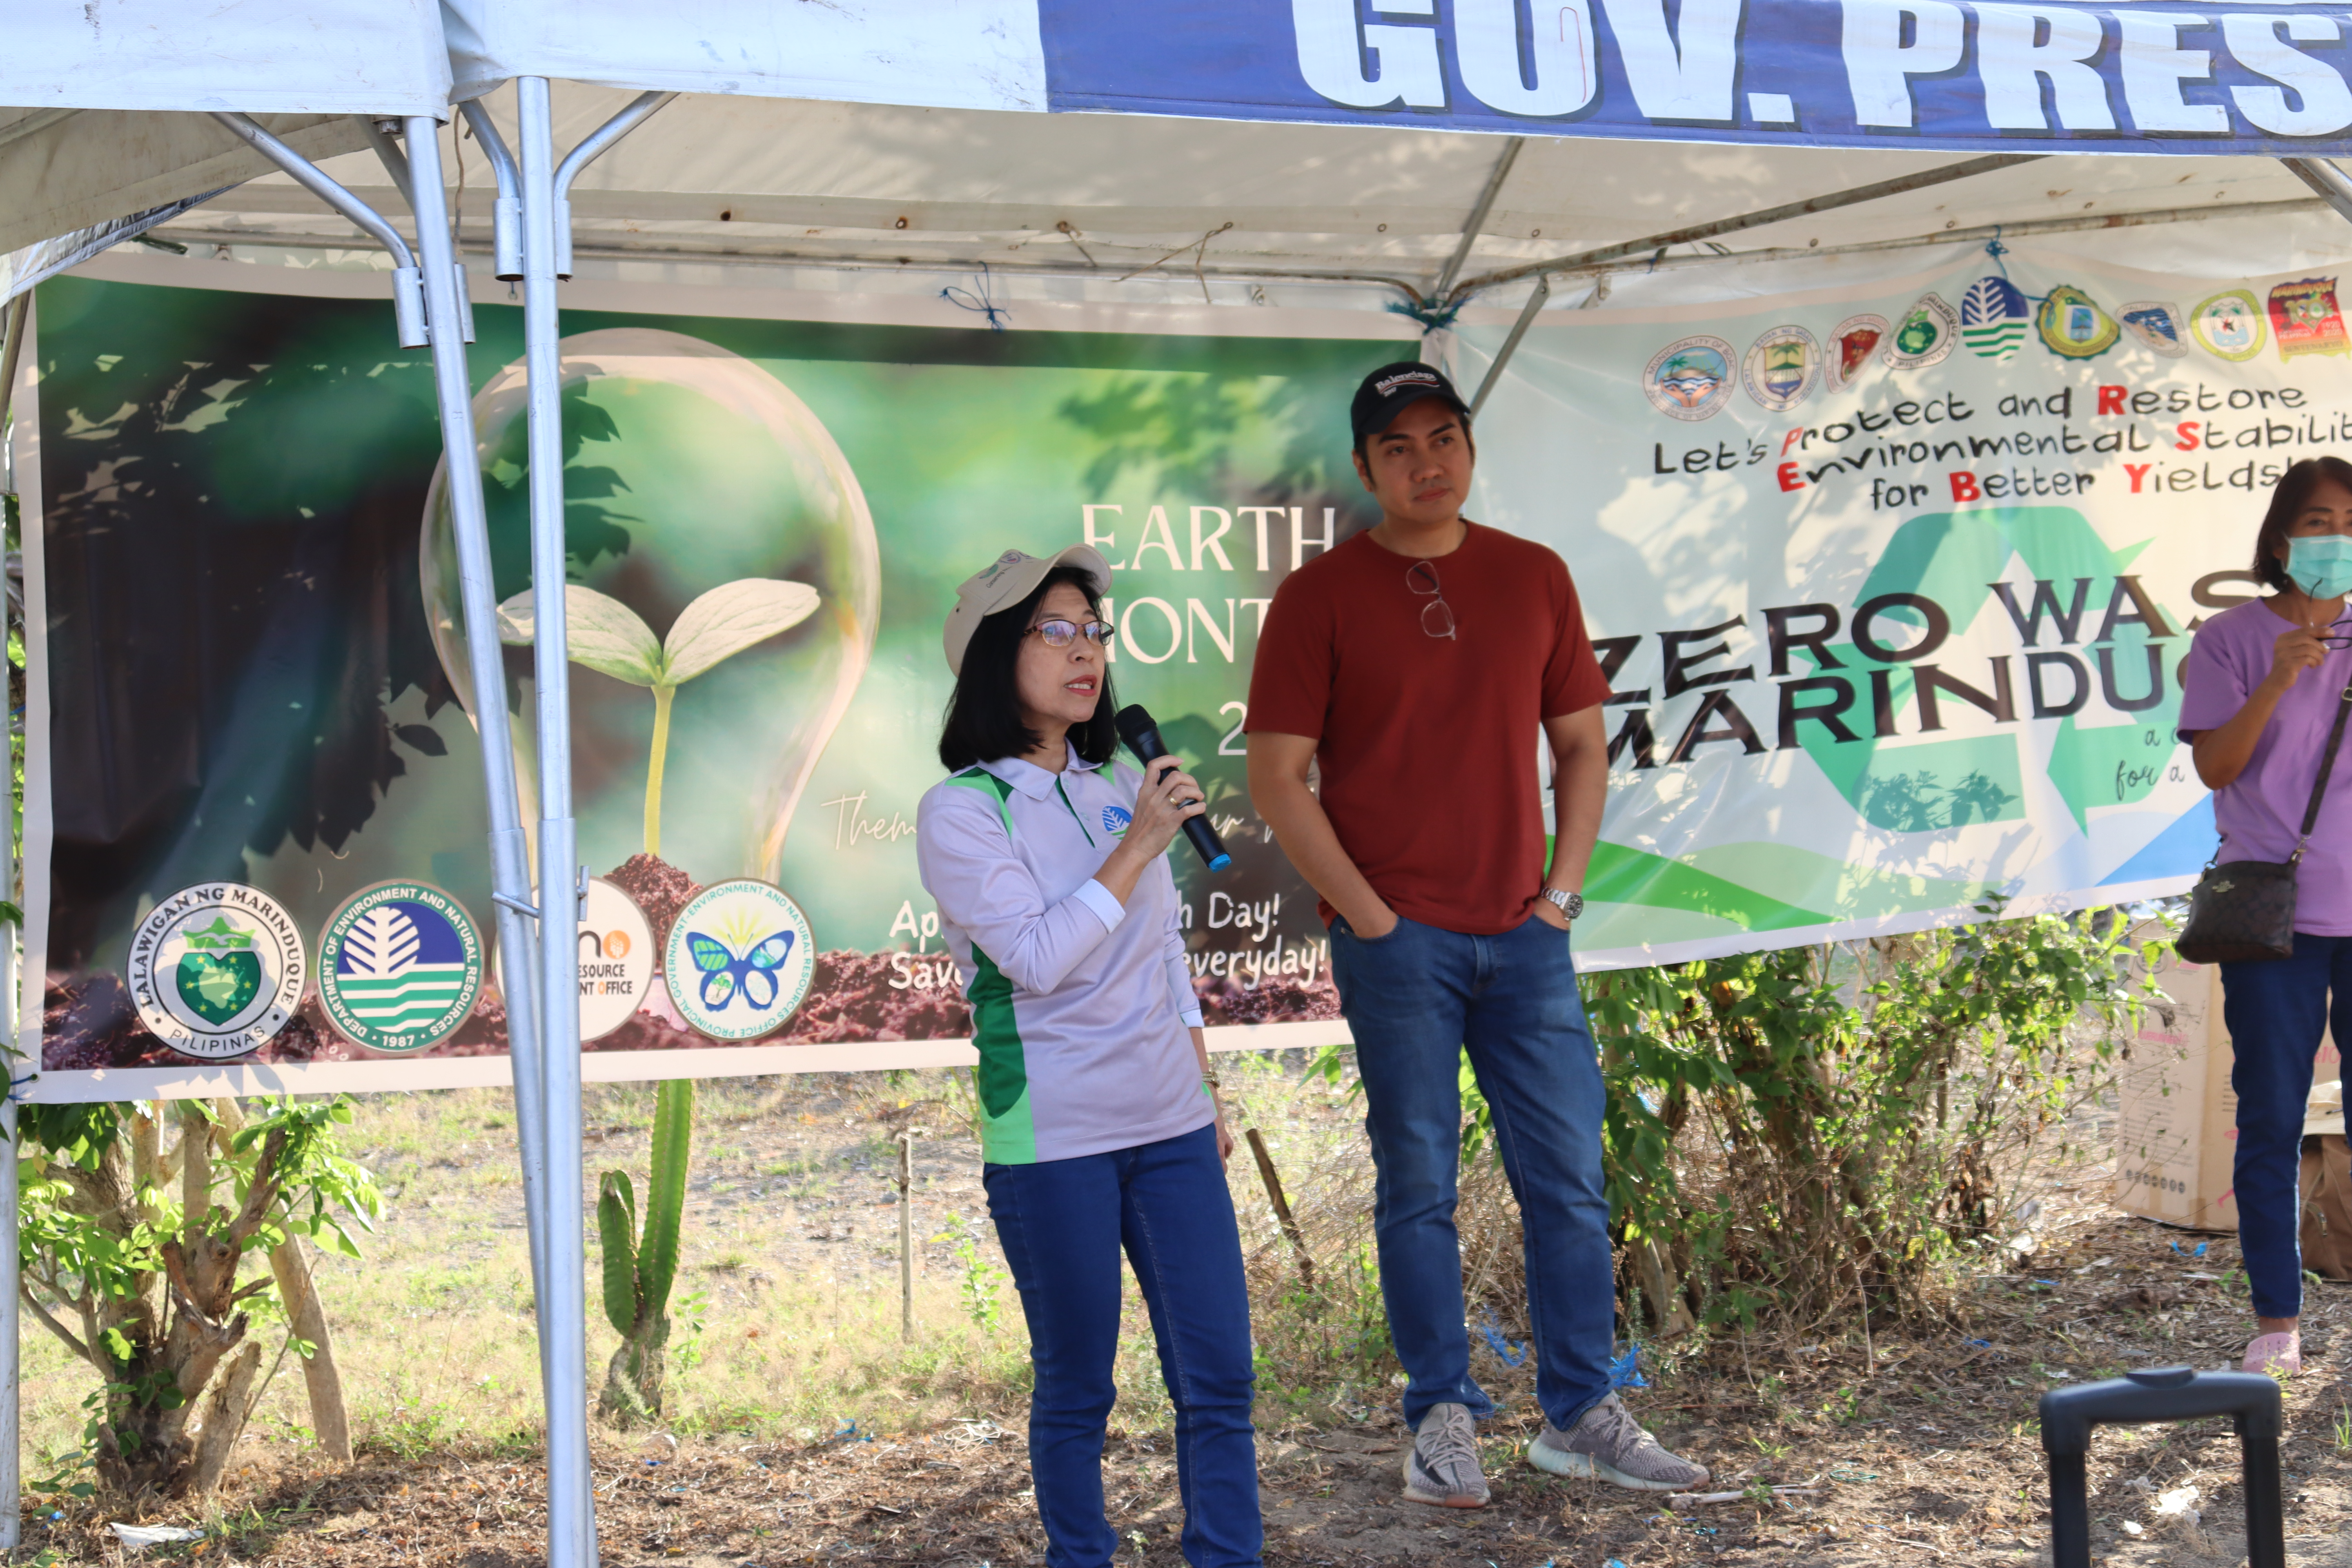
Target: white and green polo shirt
<point>1079,1005</point>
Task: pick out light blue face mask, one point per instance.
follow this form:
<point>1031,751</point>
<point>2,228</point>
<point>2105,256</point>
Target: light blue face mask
<point>2322,566</point>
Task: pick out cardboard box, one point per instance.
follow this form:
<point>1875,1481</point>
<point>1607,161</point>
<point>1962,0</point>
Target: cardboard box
<point>2176,1134</point>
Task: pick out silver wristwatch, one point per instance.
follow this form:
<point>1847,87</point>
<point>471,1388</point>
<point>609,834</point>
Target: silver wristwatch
<point>1569,904</point>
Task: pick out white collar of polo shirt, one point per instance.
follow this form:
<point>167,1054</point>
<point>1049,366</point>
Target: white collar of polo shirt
<point>1032,780</point>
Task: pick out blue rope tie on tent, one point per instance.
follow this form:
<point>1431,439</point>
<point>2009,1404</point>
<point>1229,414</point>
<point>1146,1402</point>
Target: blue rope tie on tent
<point>1625,1372</point>
<point>1996,249</point>
<point>16,1083</point>
<point>1433,317</point>
<point>982,302</point>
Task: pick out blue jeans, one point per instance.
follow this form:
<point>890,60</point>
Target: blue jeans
<point>1414,1000</point>
<point>2276,1011</point>
<point>1063,1223</point>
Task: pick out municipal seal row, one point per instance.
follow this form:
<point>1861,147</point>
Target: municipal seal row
<point>219,969</point>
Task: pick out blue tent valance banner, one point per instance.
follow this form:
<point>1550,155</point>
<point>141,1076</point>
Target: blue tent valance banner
<point>1896,74</point>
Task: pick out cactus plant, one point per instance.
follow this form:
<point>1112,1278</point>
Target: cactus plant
<point>639,1267</point>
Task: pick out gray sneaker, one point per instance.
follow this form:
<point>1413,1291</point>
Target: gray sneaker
<point>1607,1442</point>
<point>1443,1467</point>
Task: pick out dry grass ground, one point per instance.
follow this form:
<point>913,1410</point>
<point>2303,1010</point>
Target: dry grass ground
<point>802,1429</point>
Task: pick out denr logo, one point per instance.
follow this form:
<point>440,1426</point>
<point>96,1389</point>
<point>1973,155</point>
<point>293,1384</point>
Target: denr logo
<point>1333,49</point>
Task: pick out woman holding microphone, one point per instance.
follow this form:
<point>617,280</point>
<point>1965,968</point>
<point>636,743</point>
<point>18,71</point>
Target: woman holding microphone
<point>2265,682</point>
<point>1099,1122</point>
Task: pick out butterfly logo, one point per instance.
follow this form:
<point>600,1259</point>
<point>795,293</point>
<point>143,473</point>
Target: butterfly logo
<point>726,976</point>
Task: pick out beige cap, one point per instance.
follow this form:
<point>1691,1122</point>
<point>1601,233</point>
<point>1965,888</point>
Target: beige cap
<point>1010,579</point>
<point>2324,1113</point>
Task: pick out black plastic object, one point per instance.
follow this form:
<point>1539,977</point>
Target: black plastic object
<point>2163,1393</point>
<point>1142,737</point>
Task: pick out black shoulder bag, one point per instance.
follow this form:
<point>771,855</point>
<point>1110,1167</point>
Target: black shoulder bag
<point>2243,910</point>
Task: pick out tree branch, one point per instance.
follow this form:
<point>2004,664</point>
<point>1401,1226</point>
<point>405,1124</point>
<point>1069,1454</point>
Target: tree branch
<point>175,1272</point>
<point>53,1326</point>
<point>263,1195</point>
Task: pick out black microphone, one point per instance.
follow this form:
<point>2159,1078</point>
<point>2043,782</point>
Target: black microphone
<point>1142,737</point>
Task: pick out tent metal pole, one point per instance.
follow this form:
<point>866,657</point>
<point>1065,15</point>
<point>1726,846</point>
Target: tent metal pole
<point>438,282</point>
<point>478,598</point>
<point>1543,271</point>
<point>1477,219</point>
<point>11,1267</point>
<point>407,283</point>
<point>388,153</point>
<point>1875,191</point>
<point>12,347</point>
<point>620,247</point>
<point>506,214</point>
<point>592,148</point>
<point>2334,186</point>
<point>11,1277</point>
<point>570,1494</point>
<point>1511,344</point>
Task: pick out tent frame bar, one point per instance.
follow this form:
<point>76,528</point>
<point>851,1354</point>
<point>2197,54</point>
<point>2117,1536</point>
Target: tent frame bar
<point>1476,222</point>
<point>388,153</point>
<point>431,310</point>
<point>280,241</point>
<point>13,318</point>
<point>1511,343</point>
<point>1761,219</point>
<point>506,213</point>
<point>1976,235</point>
<point>1593,260</point>
<point>594,146</point>
<point>1405,289</point>
<point>542,186</point>
<point>571,1540</point>
<point>2335,187</point>
<point>12,345</point>
<point>486,666</point>
<point>407,285</point>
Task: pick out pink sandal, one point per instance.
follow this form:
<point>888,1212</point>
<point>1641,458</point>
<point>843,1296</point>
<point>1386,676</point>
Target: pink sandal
<point>2275,1354</point>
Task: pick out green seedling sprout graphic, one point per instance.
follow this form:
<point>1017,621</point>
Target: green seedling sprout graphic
<point>609,637</point>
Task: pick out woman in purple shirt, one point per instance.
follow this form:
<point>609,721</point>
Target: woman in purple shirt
<point>1098,1121</point>
<point>2259,700</point>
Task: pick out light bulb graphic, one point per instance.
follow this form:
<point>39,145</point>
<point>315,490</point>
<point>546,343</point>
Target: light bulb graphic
<point>722,558</point>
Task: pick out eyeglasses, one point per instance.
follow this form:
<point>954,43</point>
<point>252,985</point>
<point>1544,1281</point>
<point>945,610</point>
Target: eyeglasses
<point>1059,633</point>
<point>1437,616</point>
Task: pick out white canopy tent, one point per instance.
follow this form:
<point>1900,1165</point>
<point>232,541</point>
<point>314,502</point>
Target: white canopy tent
<point>1419,162</point>
<point>833,184</point>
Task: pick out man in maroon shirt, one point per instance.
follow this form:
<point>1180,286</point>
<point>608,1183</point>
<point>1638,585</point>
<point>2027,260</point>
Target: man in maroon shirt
<point>1419,662</point>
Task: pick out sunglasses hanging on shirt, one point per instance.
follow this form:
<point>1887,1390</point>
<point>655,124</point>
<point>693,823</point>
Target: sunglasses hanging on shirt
<point>1437,616</point>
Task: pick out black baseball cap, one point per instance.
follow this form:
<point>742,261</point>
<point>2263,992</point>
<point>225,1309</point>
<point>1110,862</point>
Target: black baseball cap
<point>1392,389</point>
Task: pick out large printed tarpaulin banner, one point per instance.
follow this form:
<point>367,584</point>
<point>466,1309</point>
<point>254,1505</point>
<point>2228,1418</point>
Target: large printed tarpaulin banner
<point>2162,77</point>
<point>2159,78</point>
<point>1895,586</point>
<point>1892,585</point>
<point>256,833</point>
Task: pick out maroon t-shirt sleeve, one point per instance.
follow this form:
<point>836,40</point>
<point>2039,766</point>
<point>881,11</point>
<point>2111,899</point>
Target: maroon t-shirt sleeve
<point>1572,679</point>
<point>1290,682</point>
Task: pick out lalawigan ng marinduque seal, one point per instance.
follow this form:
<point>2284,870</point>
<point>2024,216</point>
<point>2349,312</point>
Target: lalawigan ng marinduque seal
<point>216,970</point>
